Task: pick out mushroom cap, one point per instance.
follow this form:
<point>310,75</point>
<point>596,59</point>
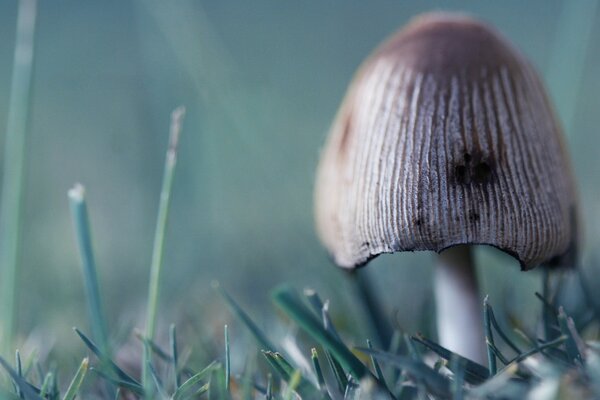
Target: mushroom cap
<point>446,137</point>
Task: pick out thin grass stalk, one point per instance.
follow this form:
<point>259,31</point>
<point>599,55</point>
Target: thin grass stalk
<point>92,288</point>
<point>159,237</point>
<point>14,165</point>
<point>227,359</point>
<point>489,337</point>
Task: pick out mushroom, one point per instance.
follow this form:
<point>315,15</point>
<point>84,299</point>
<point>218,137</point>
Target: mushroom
<point>446,139</point>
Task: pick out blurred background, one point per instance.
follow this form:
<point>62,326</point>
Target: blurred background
<point>261,81</point>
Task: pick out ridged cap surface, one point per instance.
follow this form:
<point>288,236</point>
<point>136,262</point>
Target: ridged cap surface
<point>446,137</point>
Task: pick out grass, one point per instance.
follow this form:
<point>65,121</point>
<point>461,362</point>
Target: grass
<point>13,171</point>
<point>159,237</point>
<point>319,361</point>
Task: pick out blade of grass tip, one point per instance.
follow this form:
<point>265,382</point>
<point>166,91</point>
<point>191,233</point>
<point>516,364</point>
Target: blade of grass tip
<point>187,386</point>
<point>203,389</point>
<point>314,300</point>
<point>257,333</point>
<point>574,344</point>
<point>25,389</point>
<point>80,218</point>
<point>77,380</point>
<point>334,364</point>
<point>321,310</point>
<point>174,360</point>
<point>292,305</point>
<point>19,372</point>
<point>317,366</point>
<point>14,166</point>
<point>227,358</point>
<point>489,336</point>
<point>159,235</point>
<point>46,385</point>
<point>378,371</point>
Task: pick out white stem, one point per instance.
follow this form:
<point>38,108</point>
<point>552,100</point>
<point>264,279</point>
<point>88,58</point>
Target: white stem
<point>459,307</point>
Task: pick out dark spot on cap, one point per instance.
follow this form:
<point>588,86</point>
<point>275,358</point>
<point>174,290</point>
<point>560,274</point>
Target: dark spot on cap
<point>467,157</point>
<point>460,172</point>
<point>473,216</point>
<point>482,172</point>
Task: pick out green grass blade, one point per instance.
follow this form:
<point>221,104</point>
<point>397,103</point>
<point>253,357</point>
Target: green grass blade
<point>203,389</point>
<point>293,384</point>
<point>19,371</point>
<point>503,335</point>
<point>157,382</point>
<point>321,311</point>
<point>489,337</point>
<point>292,305</point>
<point>227,358</point>
<point>458,366</point>
<point>159,236</point>
<point>174,355</point>
<point>574,344</point>
<point>24,387</point>
<point>77,380</point>
<point>79,214</point>
<point>269,394</point>
<point>257,333</point>
<point>14,166</point>
<point>47,385</point>
<point>317,366</point>
<point>435,382</point>
<point>217,385</point>
<point>338,372</point>
<point>119,383</point>
<point>187,387</point>
<point>378,371</point>
<point>105,360</point>
<point>474,372</point>
<point>304,387</point>
<point>521,357</point>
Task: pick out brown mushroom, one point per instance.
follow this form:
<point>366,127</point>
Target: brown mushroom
<point>446,139</point>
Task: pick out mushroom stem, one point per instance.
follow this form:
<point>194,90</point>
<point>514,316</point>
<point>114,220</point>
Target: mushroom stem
<point>459,313</point>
